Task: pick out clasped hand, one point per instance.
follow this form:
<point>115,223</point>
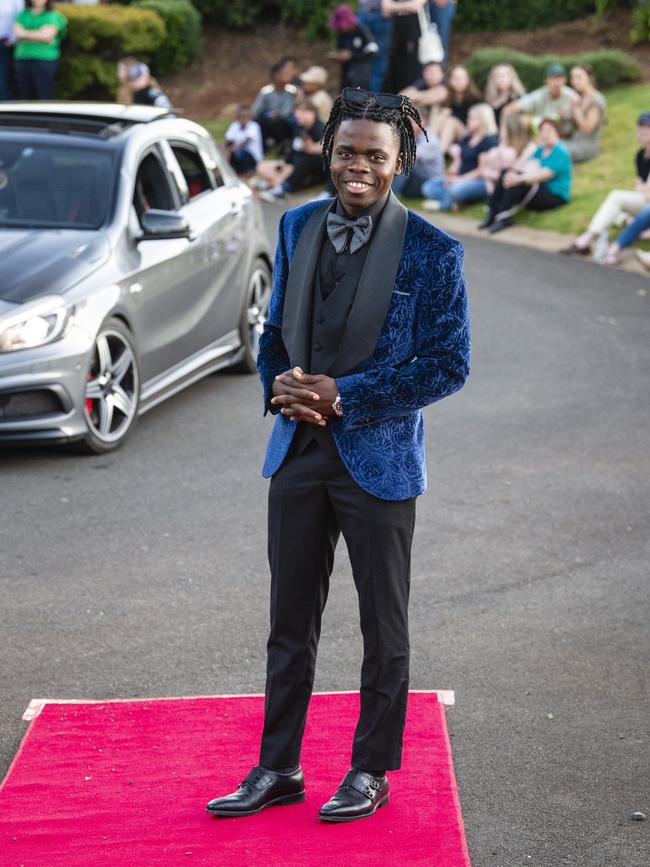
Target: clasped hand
<point>304,396</point>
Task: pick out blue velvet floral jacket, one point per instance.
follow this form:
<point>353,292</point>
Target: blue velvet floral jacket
<point>406,343</point>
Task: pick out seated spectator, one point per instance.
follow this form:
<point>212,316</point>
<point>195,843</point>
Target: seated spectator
<point>429,164</point>
<point>503,87</point>
<point>541,186</point>
<point>588,116</point>
<point>243,141</point>
<point>554,99</point>
<point>38,31</point>
<point>355,48</point>
<point>464,182</point>
<point>450,121</point>
<point>620,204</point>
<point>514,151</point>
<point>633,230</point>
<point>273,108</point>
<point>312,85</point>
<point>303,166</point>
<point>429,90</point>
<point>138,86</point>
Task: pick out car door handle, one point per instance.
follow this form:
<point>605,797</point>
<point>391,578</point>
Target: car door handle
<point>236,208</point>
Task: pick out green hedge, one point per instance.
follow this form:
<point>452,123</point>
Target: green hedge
<point>182,42</point>
<point>527,15</point>
<point>610,67</point>
<point>97,37</point>
<point>641,23</point>
<point>237,14</point>
<point>472,14</point>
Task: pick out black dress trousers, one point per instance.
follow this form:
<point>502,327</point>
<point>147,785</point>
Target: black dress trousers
<point>312,499</point>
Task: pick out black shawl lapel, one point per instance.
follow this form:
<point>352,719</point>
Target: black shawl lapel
<point>296,315</point>
<point>376,285</point>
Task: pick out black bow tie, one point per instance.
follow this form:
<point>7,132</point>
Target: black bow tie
<point>339,227</point>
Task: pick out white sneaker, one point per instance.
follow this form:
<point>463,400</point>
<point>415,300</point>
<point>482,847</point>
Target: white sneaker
<point>431,205</point>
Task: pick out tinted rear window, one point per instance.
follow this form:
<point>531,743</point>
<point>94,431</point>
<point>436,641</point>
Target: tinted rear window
<point>50,186</point>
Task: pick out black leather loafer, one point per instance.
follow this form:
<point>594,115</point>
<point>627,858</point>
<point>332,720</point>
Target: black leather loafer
<point>261,788</point>
<point>358,796</point>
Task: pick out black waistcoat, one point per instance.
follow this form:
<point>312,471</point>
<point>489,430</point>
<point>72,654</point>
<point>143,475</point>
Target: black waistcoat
<point>328,318</point>
<point>334,288</point>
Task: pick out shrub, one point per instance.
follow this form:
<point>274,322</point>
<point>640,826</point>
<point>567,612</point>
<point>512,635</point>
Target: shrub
<point>312,16</point>
<point>97,37</point>
<point>515,15</point>
<point>641,23</point>
<point>610,67</point>
<point>237,14</point>
<point>182,33</point>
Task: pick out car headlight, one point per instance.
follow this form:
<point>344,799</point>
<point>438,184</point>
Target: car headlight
<point>36,323</point>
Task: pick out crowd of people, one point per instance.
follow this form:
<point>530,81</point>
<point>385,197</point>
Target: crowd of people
<point>502,146</point>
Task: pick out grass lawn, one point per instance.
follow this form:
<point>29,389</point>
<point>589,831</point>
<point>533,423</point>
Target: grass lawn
<point>614,168</point>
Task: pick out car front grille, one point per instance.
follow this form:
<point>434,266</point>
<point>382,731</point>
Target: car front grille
<point>18,405</point>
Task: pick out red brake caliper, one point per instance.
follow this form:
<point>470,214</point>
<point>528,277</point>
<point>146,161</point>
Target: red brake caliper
<point>89,402</point>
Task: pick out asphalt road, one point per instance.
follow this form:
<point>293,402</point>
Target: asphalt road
<point>143,573</point>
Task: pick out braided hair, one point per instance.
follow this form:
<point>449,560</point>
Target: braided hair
<point>399,120</point>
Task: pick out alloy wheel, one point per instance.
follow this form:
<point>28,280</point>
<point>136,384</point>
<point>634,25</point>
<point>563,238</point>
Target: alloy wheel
<point>259,296</point>
<point>112,388</point>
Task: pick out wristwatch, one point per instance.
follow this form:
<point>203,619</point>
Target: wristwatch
<point>337,406</point>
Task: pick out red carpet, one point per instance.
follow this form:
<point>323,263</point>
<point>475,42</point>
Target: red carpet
<point>124,784</point>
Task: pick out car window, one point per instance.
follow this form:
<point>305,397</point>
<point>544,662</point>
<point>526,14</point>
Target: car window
<point>43,185</point>
<point>194,170</point>
<point>220,171</point>
<point>152,188</point>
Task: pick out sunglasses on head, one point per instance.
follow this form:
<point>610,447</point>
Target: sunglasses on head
<point>359,96</point>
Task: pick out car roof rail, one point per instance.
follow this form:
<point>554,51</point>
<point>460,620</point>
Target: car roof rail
<point>101,119</point>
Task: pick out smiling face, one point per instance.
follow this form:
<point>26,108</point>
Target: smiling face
<point>365,159</point>
<point>433,74</point>
<point>548,135</point>
<point>579,79</point>
<point>555,83</point>
<point>459,79</point>
<point>503,79</point>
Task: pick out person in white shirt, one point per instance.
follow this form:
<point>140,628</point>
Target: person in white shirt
<point>244,142</point>
<point>8,11</point>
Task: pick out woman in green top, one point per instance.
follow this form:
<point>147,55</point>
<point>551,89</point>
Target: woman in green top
<point>38,31</point>
<point>541,186</point>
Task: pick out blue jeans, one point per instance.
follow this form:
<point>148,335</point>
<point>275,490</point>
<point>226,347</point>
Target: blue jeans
<point>35,78</point>
<point>442,16</point>
<point>6,65</point>
<point>410,186</point>
<point>381,28</point>
<point>632,231</point>
<point>463,190</point>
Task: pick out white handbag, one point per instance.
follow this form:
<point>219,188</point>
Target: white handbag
<point>430,48</point>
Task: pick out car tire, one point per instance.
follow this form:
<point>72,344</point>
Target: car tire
<point>112,391</point>
<point>254,313</point>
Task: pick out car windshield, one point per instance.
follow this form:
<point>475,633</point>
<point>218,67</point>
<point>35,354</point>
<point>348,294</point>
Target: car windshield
<point>47,186</point>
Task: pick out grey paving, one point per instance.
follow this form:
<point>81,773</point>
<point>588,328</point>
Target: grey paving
<point>144,573</point>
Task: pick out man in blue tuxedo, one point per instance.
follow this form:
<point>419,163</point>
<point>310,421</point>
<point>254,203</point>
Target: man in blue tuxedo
<point>370,299</point>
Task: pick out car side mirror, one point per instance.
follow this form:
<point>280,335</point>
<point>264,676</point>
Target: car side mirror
<point>161,225</point>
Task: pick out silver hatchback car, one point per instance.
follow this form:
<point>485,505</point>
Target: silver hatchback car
<point>132,263</point>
